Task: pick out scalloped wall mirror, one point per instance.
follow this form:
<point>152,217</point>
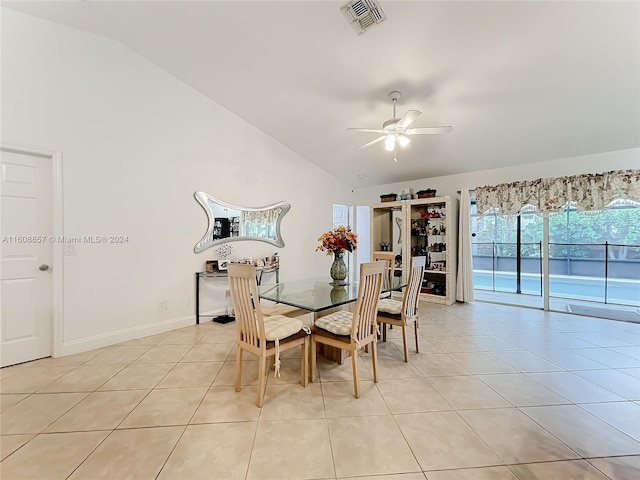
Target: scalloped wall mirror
<point>232,223</point>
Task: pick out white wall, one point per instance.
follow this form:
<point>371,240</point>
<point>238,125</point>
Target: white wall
<point>136,144</point>
<point>450,184</point>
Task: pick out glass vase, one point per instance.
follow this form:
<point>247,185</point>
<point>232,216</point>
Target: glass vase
<point>338,270</point>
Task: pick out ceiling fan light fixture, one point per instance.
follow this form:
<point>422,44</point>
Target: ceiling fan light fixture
<point>396,130</point>
<point>390,143</point>
<point>403,141</point>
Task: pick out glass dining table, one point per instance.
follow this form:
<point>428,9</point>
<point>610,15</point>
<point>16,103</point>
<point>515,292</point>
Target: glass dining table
<point>317,295</point>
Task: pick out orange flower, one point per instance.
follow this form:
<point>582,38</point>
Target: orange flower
<point>340,238</point>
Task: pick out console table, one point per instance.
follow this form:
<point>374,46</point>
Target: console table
<point>259,272</point>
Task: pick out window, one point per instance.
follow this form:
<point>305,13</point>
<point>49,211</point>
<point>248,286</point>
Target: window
<point>594,256</point>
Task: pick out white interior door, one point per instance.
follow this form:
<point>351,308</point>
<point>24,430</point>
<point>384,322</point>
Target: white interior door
<point>342,215</point>
<point>26,300</point>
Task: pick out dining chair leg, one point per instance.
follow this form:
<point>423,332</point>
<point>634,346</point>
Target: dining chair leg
<point>238,368</point>
<point>404,343</point>
<point>313,359</point>
<point>261,377</point>
<point>304,362</point>
<point>354,365</point>
<point>374,361</point>
<point>415,329</point>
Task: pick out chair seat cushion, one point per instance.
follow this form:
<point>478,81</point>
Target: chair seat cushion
<point>388,305</point>
<point>337,322</point>
<point>279,326</point>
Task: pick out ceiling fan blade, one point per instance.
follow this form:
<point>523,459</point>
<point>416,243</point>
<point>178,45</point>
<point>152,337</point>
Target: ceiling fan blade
<point>408,118</point>
<point>428,130</point>
<point>371,130</point>
<point>379,139</point>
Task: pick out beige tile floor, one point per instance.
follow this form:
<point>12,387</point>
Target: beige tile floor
<point>497,392</point>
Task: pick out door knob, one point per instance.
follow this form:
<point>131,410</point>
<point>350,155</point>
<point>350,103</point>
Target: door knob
<point>44,267</point>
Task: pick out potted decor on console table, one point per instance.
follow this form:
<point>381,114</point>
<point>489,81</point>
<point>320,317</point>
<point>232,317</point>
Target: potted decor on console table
<point>335,242</point>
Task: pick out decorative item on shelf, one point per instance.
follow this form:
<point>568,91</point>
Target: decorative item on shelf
<point>388,197</point>
<point>438,266</point>
<point>384,246</point>
<point>437,247</point>
<point>430,213</point>
<point>428,193</point>
<point>335,242</point>
<point>406,193</point>
<point>211,266</point>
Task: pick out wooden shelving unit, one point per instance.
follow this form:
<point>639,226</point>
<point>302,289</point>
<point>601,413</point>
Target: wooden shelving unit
<point>422,227</point>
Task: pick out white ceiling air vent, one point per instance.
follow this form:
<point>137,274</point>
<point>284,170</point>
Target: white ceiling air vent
<point>363,14</point>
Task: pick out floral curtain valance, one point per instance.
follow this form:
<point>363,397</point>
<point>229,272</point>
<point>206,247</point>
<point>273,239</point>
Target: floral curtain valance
<point>261,216</point>
<point>261,223</point>
<point>588,192</point>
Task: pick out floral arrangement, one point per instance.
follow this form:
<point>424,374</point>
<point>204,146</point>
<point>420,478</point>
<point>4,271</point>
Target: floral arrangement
<point>340,238</point>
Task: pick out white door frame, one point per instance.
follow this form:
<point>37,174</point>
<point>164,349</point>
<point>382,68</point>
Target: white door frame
<point>57,246</point>
<point>352,260</point>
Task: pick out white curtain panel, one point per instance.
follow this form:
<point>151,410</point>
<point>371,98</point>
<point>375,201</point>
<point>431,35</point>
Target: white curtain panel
<point>464,287</point>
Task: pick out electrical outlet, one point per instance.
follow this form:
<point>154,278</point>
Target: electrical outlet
<point>162,305</point>
<point>227,294</point>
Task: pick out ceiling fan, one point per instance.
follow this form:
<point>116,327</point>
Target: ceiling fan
<point>396,131</point>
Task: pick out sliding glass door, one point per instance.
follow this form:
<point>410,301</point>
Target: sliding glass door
<point>593,257</point>
<point>507,260</point>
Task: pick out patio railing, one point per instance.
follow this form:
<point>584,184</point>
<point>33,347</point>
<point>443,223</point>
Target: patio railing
<point>603,272</point>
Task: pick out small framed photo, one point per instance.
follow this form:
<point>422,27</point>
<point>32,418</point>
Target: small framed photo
<point>222,265</point>
<point>211,266</point>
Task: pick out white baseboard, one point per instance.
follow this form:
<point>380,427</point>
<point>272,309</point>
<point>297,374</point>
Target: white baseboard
<point>104,340</point>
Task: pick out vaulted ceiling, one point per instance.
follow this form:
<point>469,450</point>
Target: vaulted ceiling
<point>519,81</point>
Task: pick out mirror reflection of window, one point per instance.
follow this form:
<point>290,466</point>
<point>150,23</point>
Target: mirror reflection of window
<point>261,223</point>
<point>233,223</point>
